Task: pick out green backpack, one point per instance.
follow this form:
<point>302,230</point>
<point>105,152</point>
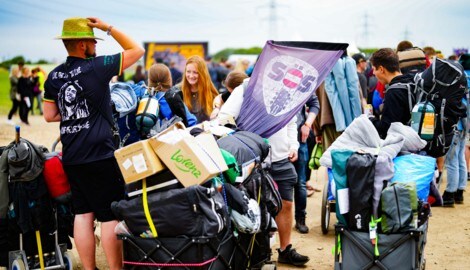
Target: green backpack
<point>399,207</point>
<point>317,152</point>
<point>233,171</point>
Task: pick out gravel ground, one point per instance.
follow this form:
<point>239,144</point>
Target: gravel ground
<point>448,236</point>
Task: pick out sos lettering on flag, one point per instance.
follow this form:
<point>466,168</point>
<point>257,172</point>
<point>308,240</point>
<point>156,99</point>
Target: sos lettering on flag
<point>285,76</point>
<point>287,83</point>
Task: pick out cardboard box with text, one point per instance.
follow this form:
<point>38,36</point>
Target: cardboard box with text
<point>193,160</point>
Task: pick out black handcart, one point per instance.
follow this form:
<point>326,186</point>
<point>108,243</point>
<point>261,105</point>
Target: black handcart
<point>354,250</point>
<point>229,249</point>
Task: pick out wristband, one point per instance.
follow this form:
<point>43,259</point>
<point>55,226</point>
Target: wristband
<point>305,124</point>
<point>108,32</point>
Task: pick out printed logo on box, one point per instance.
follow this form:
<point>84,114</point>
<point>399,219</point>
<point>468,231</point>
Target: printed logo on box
<point>185,164</point>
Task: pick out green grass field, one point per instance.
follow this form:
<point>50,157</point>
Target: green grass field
<point>5,102</point>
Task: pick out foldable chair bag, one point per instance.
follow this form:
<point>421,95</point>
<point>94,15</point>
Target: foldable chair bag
<point>396,251</point>
<point>252,251</point>
<point>178,252</point>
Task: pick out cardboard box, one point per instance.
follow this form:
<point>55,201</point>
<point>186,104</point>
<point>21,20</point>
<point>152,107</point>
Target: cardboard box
<point>193,160</point>
<point>225,120</point>
<point>217,126</point>
<point>161,181</point>
<point>138,160</point>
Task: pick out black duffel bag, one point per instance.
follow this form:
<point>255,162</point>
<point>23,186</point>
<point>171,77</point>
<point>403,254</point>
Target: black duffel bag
<point>192,211</point>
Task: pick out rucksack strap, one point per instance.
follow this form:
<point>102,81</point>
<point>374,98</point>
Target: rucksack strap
<point>408,88</point>
<point>456,79</point>
<point>410,101</point>
<point>443,104</point>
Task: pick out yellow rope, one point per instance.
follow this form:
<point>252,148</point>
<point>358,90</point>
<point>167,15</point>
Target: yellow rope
<point>146,208</point>
<point>41,256</point>
<point>254,235</point>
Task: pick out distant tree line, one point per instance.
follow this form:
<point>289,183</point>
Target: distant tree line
<point>225,53</point>
<point>368,51</point>
<point>17,59</point>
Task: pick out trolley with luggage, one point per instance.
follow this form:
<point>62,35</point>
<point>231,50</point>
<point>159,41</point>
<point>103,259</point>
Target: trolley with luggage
<point>393,234</point>
<point>174,220</point>
<point>380,192</point>
<point>37,226</point>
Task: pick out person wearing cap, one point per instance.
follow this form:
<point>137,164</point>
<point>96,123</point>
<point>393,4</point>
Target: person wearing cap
<point>87,140</point>
<point>361,66</point>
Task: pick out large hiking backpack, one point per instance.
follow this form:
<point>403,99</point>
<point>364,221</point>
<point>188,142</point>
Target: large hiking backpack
<point>443,85</point>
<point>412,60</point>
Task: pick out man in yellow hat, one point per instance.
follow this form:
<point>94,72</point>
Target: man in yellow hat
<point>77,95</point>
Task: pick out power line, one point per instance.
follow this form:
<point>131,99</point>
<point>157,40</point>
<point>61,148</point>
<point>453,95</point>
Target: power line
<point>406,34</point>
<point>22,15</point>
<point>272,18</point>
<point>366,29</point>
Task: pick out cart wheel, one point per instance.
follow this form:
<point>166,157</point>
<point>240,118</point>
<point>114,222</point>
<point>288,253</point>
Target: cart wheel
<point>18,264</point>
<point>69,261</point>
<point>325,208</point>
<point>269,267</point>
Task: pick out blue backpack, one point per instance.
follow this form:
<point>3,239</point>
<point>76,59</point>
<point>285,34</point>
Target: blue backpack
<point>130,131</point>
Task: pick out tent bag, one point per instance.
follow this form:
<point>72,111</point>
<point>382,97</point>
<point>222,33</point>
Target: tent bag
<point>360,171</point>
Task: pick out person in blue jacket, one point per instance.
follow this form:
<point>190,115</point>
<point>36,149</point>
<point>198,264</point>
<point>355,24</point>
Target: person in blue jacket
<point>305,118</point>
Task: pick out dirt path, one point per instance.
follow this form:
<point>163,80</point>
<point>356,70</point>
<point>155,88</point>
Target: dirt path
<point>449,228</point>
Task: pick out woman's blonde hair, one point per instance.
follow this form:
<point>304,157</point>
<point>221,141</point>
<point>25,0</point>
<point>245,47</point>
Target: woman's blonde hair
<point>15,72</point>
<point>159,77</point>
<point>205,87</point>
<point>25,72</point>
<point>242,65</point>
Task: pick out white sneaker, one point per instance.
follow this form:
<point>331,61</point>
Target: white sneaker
<point>11,122</point>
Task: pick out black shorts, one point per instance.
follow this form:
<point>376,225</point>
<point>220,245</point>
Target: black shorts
<point>95,186</point>
<point>284,174</point>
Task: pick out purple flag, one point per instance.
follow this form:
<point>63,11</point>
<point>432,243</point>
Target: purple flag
<point>285,76</point>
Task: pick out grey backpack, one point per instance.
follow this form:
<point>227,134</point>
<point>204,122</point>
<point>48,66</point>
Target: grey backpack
<point>399,207</point>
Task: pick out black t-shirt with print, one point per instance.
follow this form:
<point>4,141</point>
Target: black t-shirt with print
<point>78,87</point>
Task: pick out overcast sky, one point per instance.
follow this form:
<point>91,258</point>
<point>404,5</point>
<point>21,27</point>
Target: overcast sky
<point>28,27</point>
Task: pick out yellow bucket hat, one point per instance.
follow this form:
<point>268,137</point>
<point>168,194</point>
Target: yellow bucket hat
<point>77,28</point>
